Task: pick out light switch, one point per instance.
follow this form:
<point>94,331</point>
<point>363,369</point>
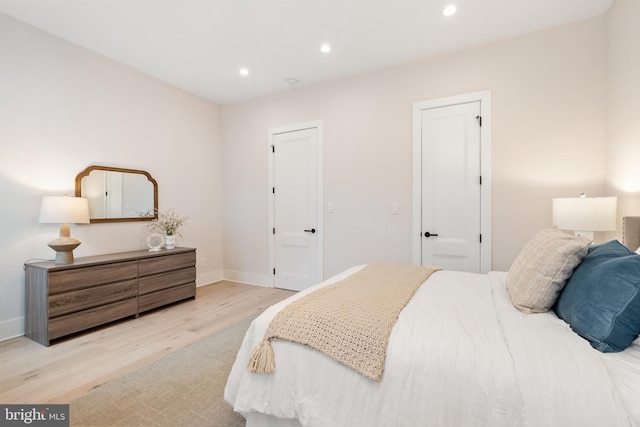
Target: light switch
<point>395,209</point>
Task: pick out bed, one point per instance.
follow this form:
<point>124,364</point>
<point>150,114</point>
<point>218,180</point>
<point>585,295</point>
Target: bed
<point>460,354</point>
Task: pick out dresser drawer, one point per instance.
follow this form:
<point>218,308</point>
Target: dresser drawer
<point>70,302</point>
<point>79,321</point>
<point>166,263</point>
<point>166,296</point>
<point>86,277</point>
<point>166,280</point>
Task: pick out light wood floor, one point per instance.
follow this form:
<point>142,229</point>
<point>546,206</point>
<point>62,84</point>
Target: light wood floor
<point>32,373</point>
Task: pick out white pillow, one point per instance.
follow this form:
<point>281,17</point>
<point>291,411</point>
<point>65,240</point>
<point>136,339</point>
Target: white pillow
<point>638,251</point>
<point>542,268</point>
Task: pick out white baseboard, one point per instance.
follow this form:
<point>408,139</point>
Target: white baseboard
<point>11,328</point>
<point>209,277</point>
<point>264,280</point>
<point>234,276</point>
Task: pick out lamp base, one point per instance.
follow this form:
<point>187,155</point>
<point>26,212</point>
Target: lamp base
<point>64,247</point>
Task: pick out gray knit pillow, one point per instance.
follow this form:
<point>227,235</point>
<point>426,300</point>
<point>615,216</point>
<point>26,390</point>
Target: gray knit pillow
<point>542,268</point>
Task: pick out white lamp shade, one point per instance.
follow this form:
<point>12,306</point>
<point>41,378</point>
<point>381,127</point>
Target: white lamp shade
<point>585,213</point>
<point>64,210</point>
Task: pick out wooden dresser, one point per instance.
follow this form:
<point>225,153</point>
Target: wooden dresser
<point>69,298</point>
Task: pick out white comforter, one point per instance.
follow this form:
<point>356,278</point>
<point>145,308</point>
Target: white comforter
<point>459,355</point>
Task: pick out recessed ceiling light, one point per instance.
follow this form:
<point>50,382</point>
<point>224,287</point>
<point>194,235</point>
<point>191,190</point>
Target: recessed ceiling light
<point>244,71</point>
<point>449,10</point>
<point>325,48</point>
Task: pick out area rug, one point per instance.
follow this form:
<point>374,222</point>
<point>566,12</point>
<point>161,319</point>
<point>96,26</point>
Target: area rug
<point>185,388</point>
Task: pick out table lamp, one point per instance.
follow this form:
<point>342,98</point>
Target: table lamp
<point>64,210</point>
<point>584,215</point>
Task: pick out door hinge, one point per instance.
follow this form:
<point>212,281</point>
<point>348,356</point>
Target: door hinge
<point>273,148</point>
<point>479,118</point>
<point>480,179</point>
<point>273,190</point>
<point>274,230</point>
<point>480,238</point>
<point>274,271</point>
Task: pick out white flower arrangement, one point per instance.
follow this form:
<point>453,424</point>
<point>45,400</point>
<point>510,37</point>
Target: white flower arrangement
<point>168,223</point>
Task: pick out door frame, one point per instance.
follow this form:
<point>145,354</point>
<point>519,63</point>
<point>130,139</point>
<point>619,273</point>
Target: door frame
<point>484,97</point>
<point>317,124</point>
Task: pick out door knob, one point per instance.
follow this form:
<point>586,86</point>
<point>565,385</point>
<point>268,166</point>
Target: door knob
<point>313,230</point>
<point>427,234</point>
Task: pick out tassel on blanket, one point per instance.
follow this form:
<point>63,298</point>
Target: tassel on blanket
<point>262,359</point>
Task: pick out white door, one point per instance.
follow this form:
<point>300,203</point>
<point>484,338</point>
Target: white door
<point>296,231</point>
<point>451,187</point>
<point>452,182</point>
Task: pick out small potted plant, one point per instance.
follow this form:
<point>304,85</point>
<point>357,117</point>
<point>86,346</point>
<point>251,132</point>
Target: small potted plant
<point>168,224</point>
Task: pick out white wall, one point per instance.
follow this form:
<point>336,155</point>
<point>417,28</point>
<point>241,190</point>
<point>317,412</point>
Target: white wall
<point>623,105</point>
<point>548,141</point>
<point>63,108</point>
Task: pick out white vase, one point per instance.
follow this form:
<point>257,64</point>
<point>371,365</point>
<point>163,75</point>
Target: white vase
<point>170,242</point>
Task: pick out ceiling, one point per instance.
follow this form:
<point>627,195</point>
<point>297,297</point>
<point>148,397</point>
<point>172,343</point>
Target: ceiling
<point>200,45</point>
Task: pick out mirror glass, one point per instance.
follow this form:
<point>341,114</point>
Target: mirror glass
<point>117,194</point>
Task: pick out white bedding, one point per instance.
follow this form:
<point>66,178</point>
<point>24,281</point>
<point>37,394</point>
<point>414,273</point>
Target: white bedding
<point>459,355</point>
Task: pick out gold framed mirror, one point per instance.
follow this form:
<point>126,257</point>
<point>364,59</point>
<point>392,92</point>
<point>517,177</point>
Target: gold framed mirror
<point>117,194</point>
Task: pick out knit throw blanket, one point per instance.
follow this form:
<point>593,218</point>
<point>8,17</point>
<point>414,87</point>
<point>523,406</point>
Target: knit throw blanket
<point>350,320</point>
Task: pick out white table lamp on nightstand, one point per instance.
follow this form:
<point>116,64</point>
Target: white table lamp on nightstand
<point>64,210</point>
<point>584,215</point>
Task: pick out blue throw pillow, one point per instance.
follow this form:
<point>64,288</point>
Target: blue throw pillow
<point>601,300</point>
